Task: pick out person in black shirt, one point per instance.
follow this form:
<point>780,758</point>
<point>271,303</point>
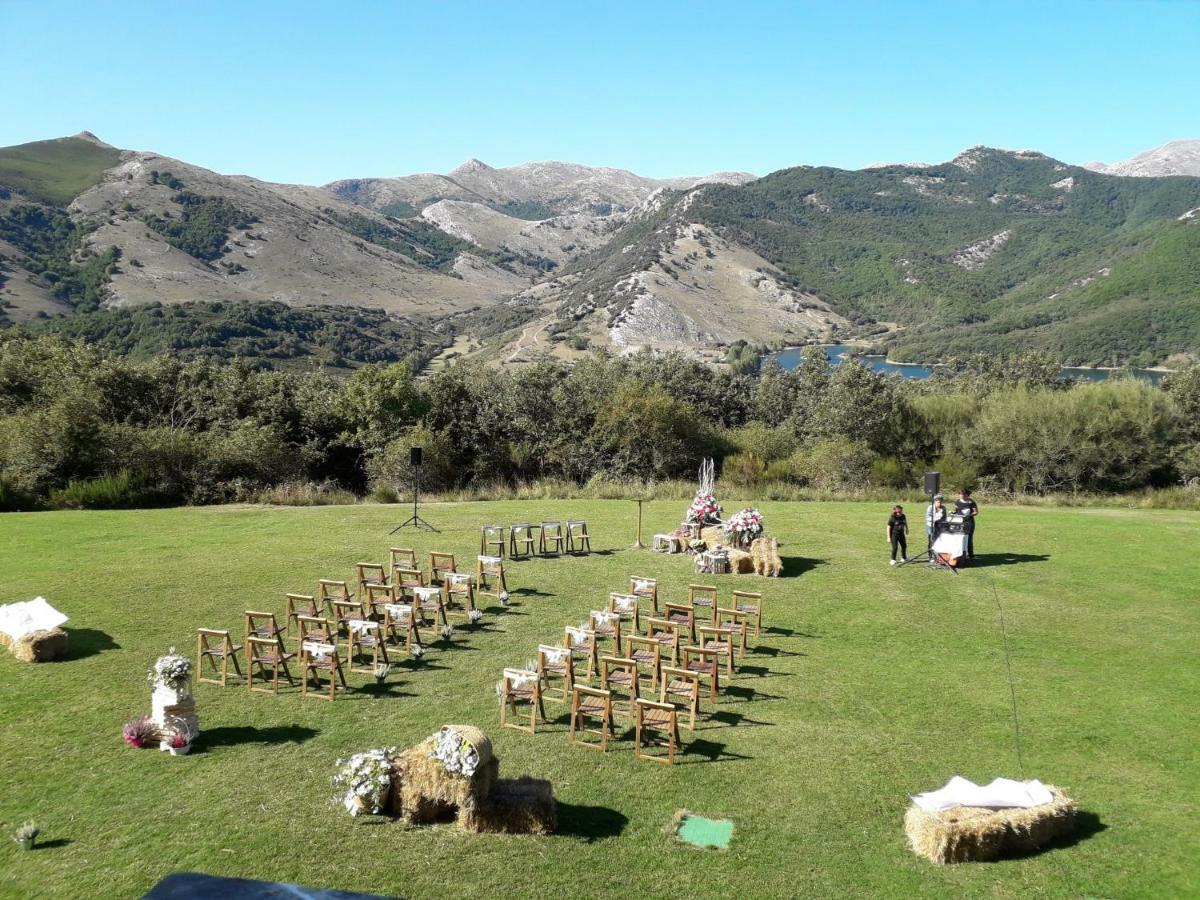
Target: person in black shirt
<point>897,532</point>
<point>968,509</point>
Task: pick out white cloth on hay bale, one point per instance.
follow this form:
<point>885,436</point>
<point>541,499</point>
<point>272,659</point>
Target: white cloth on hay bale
<point>25,617</point>
<point>1001,793</point>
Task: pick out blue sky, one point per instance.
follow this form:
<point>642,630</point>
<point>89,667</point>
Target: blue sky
<point>309,92</point>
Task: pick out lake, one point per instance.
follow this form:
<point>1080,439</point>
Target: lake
<point>793,356</point>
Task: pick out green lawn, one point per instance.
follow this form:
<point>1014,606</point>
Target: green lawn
<point>872,684</point>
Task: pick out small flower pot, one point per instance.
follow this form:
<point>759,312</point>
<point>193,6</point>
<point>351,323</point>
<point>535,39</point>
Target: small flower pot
<point>27,843</point>
<point>175,751</point>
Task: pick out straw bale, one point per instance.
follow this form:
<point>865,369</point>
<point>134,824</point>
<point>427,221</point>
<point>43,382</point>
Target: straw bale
<point>972,834</point>
<point>41,646</point>
<point>712,535</point>
<point>514,806</point>
<point>765,551</point>
<point>741,562</point>
<point>423,791</point>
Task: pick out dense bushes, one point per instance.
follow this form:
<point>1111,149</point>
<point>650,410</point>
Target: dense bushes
<point>84,428</point>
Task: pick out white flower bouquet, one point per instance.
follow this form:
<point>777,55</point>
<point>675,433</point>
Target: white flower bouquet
<point>171,671</point>
<point>362,782</point>
<point>457,754</point>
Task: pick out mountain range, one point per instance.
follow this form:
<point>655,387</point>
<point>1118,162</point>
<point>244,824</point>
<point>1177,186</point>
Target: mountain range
<point>1011,250</point>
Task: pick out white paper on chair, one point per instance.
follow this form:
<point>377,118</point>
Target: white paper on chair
<point>426,592</point>
<point>490,560</point>
<point>1002,793</point>
<point>520,678</point>
<point>27,616</point>
<point>399,610</point>
<point>554,655</point>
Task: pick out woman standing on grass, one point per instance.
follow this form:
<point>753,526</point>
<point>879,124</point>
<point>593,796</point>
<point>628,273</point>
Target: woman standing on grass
<point>897,531</point>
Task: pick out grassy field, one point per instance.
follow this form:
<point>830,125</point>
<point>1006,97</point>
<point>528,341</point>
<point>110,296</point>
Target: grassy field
<point>55,171</point>
<point>870,684</point>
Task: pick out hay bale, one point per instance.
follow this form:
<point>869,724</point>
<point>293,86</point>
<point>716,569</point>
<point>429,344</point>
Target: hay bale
<point>49,645</point>
<point>741,562</point>
<point>514,806</point>
<point>423,791</point>
<point>713,535</point>
<point>765,551</point>
<point>973,834</point>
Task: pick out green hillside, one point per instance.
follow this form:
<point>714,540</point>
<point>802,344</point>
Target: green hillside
<point>57,171</point>
<point>881,244</point>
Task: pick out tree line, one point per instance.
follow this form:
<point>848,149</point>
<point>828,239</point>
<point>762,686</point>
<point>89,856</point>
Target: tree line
<point>86,426</point>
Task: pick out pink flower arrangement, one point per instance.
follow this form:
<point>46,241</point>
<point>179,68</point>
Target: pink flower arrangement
<point>704,509</point>
<point>139,732</point>
<point>745,526</point>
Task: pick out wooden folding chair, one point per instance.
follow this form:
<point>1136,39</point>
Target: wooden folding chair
<point>590,703</point>
<point>683,615</point>
<point>578,539</point>
<point>556,662</point>
<point>401,558</point>
<point>262,624</point>
<point>345,612</point>
<point>491,537</point>
<point>224,649</point>
<point>703,598</point>
<point>300,605</point>
<point>666,634</point>
<point>458,595</point>
<point>518,686</point>
<point>406,580</point>
<point>379,596</point>
<point>646,651</point>
<point>365,635</point>
<point>319,653</point>
<point>368,574</point>
<point>719,642</point>
<point>750,603</point>
<point>329,590</point>
<point>582,640</point>
<point>428,606</point>
<point>681,685</point>
<point>264,653</point>
<point>645,589</point>
<point>440,565</point>
<point>706,663</point>
<point>489,578</point>
<point>620,674</point>
<point>520,540</point>
<point>551,535</point>
<point>662,718</point>
<point>628,608</point>
<point>739,623</point>
<point>400,621</point>
<point>606,626</point>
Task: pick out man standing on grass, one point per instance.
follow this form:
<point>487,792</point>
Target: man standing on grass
<point>968,509</point>
<point>897,532</point>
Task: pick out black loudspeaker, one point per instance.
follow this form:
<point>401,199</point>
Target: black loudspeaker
<point>414,456</point>
<point>933,482</point>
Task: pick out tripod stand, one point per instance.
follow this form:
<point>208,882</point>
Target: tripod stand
<point>931,560</point>
<point>415,519</point>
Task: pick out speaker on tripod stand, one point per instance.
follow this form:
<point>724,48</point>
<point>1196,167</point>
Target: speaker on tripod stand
<point>415,461</point>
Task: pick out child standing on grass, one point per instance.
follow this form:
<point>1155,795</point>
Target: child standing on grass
<point>897,531</point>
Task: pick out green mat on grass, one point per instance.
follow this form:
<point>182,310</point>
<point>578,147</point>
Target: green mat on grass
<point>702,832</point>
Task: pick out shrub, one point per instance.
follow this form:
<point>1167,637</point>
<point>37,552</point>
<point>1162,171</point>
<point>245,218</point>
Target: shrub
<point>743,469</point>
<point>888,471</point>
<point>834,464</point>
<point>117,491</point>
<point>305,493</point>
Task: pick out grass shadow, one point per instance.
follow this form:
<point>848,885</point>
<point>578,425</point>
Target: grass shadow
<point>530,592</point>
<point>727,717</point>
<point>232,735</point>
<point>984,560</point>
<point>711,751</point>
<point>85,642</point>
<point>1087,826</point>
<point>795,566</point>
<point>50,845</point>
<point>749,694</point>
<point>589,823</point>
<point>386,689</point>
<point>763,650</point>
<point>763,671</point>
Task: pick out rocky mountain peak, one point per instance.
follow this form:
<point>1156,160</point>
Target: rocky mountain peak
<point>472,166</point>
<point>1172,158</point>
<point>91,139</point>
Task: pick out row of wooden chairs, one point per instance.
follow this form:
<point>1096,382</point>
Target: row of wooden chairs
<point>550,537</point>
<point>685,648</point>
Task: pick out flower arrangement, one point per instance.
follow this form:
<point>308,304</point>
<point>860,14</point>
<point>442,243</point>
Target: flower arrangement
<point>381,672</point>
<point>416,651</point>
<point>26,835</point>
<point>504,598</point>
<point>705,510</point>
<point>171,671</point>
<point>362,782</point>
<point>745,526</point>
<point>447,632</point>
<point>474,616</point>
<point>457,754</point>
<point>177,736</point>
<point>139,732</point>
